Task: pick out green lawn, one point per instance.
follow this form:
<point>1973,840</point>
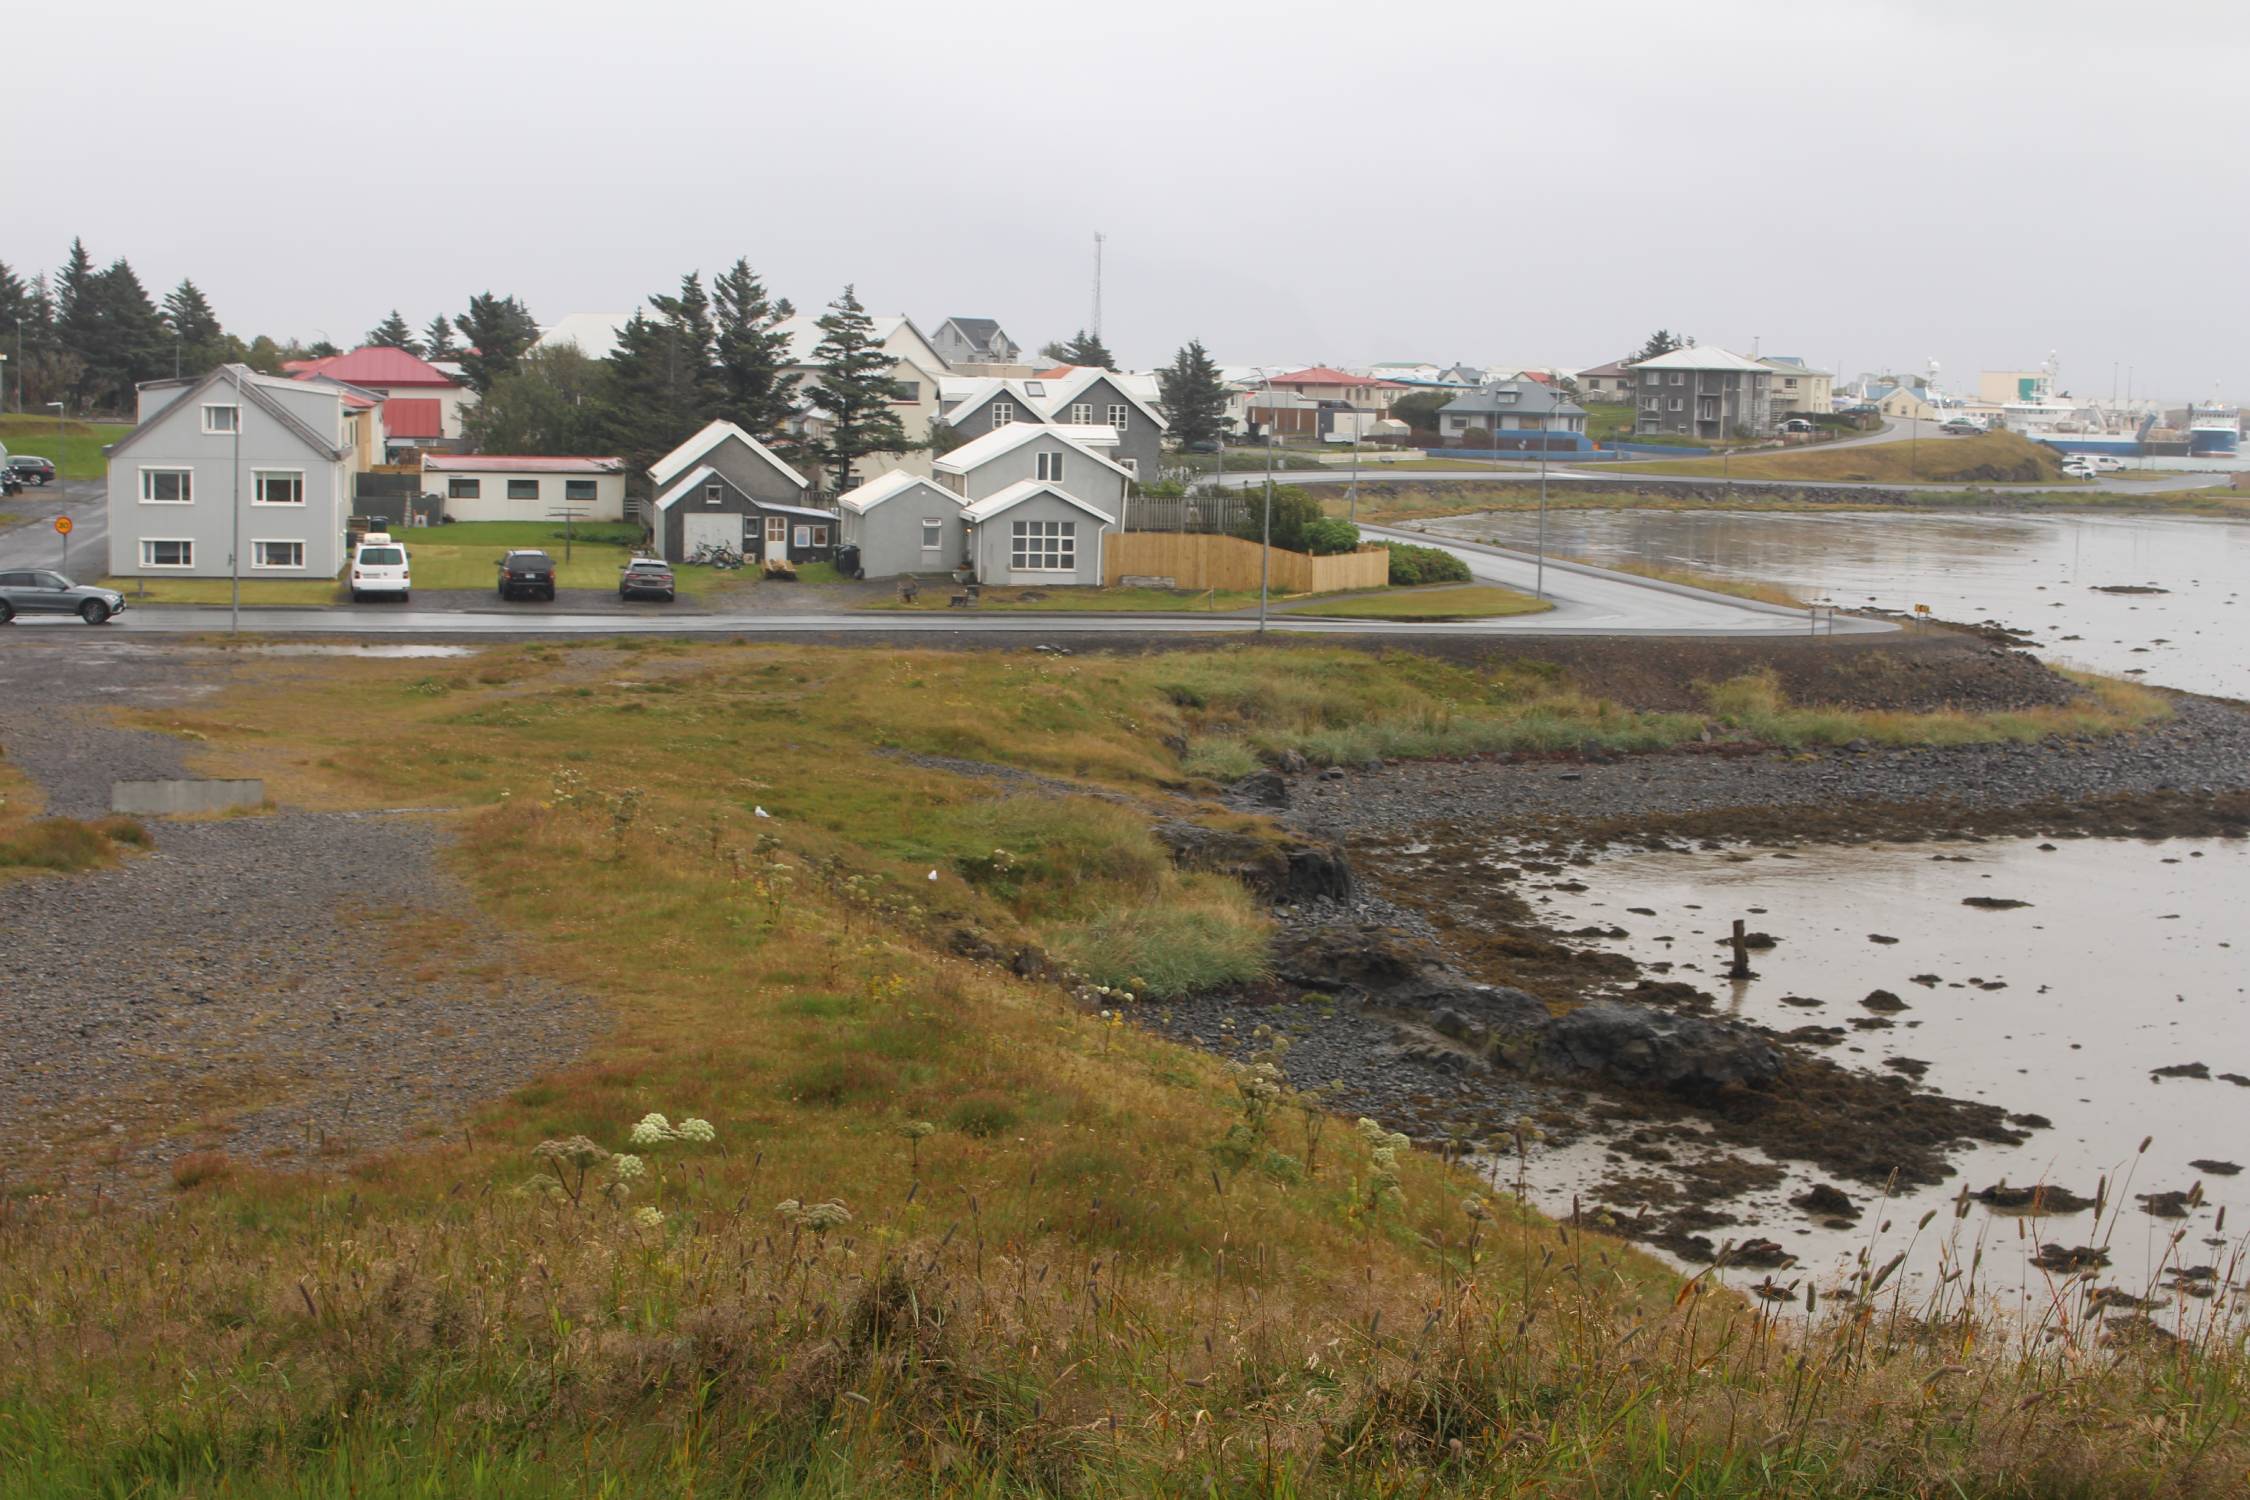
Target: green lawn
<point>940,595</point>
<point>293,591</point>
<point>77,452</point>
<point>1478,601</point>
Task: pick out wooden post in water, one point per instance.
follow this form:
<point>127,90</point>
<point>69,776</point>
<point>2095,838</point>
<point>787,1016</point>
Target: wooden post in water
<point>1740,969</point>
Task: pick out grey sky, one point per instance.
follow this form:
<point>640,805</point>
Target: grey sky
<point>1868,183</point>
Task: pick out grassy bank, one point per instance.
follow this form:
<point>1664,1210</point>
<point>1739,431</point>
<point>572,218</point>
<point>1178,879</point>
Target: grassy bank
<point>266,592</point>
<point>1985,458</point>
<point>949,1231</point>
<point>1439,602</point>
<point>76,451</point>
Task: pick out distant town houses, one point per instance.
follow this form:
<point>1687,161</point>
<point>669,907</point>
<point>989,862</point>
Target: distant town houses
<point>1703,393</point>
<point>1799,390</point>
<point>722,488</point>
<point>966,342</point>
<point>1527,414</point>
<point>1309,403</point>
<point>1105,409</point>
<point>1610,383</point>
<point>419,405</point>
<point>525,487</point>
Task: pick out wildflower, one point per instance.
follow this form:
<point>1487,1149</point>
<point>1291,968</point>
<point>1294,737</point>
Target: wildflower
<point>576,1151</point>
<point>647,1217</point>
<point>817,1217</point>
<point>915,1130</point>
<point>653,1130</point>
<point>626,1168</point>
<point>693,1129</point>
<point>1475,1209</point>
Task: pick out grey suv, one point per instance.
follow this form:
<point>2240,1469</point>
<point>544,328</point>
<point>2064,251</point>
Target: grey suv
<point>30,593</point>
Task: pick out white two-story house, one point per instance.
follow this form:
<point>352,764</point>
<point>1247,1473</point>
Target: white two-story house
<point>234,454</point>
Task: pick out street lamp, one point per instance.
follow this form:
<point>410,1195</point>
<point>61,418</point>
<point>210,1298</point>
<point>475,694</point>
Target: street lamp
<point>1265,546</point>
<point>234,507</point>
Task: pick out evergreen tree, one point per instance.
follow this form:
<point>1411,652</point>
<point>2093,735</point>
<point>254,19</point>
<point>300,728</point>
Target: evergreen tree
<point>126,340</point>
<point>198,342</point>
<point>392,333</point>
<point>437,340</point>
<point>1088,349</point>
<point>317,349</point>
<point>1055,351</point>
<point>694,346</point>
<point>753,392</point>
<point>656,395</point>
<point>264,355</point>
<point>499,331</point>
<point>854,392</point>
<point>1195,398</point>
<point>15,301</point>
<point>1660,342</point>
<point>73,312</point>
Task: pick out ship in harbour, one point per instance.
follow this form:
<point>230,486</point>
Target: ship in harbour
<point>2214,429</point>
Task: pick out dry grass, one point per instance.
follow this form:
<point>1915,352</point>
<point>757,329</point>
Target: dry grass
<point>1434,602</point>
<point>1986,458</point>
<point>1077,1260</point>
<point>67,845</point>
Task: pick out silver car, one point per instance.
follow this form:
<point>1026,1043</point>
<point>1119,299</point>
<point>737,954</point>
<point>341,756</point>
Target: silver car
<point>42,593</point>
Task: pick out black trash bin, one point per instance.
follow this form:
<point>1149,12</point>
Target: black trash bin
<point>847,560</point>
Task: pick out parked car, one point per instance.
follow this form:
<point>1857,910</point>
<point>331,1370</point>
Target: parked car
<point>31,468</point>
<point>2107,463</point>
<point>1208,445</point>
<point>1962,425</point>
<point>647,575</point>
<point>2079,466</point>
<point>1796,424</point>
<point>530,573</point>
<point>380,566</point>
<point>40,593</point>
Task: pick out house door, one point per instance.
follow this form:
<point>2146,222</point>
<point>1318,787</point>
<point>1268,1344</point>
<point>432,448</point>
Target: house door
<point>777,536</point>
<point>717,531</point>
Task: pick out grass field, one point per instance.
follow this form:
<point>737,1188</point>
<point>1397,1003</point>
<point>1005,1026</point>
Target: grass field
<point>952,1231</point>
<point>1986,458</point>
<point>939,596</point>
<point>466,555</point>
<point>80,446</point>
<point>1432,602</point>
<point>299,592</point>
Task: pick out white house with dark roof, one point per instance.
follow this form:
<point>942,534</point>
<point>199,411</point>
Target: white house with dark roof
<point>1527,414</point>
<point>903,523</point>
<point>227,453</point>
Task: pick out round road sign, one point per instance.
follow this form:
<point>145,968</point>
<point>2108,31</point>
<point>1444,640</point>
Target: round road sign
<point>62,525</point>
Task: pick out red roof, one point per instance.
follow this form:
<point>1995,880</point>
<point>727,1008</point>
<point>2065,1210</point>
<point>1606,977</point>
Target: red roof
<point>519,463</point>
<point>376,365</point>
<point>1059,372</point>
<point>1323,375</point>
<point>414,417</point>
<point>358,403</point>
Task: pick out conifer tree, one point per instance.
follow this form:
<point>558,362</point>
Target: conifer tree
<point>437,340</point>
<point>754,393</point>
<point>1088,349</point>
<point>499,331</point>
<point>198,342</point>
<point>1195,398</point>
<point>393,333</point>
<point>854,393</point>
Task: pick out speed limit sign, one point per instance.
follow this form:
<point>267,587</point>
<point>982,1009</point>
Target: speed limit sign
<point>62,526</point>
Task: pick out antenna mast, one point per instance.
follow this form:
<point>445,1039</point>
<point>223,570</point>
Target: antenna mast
<point>1098,238</point>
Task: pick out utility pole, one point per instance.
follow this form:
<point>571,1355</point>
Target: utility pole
<point>1098,238</point>
<point>1265,548</point>
<point>234,557</point>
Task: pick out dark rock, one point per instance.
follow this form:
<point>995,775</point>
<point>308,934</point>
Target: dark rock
<point>1877,937</point>
<point>1912,1067</point>
<point>2172,1204</point>
<point>1759,1253</point>
<point>2070,1258</point>
<point>1280,868</point>
<point>1826,1200</point>
<point>1634,1045</point>
<point>1402,975</point>
<point>2040,1198</point>
<point>2216,1168</point>
<point>1759,941</point>
<point>1884,1000</point>
<point>1261,789</point>
<point>1333,773</point>
<point>1993,903</point>
<point>2182,1070</point>
<point>1290,762</point>
<point>1028,963</point>
<point>972,944</point>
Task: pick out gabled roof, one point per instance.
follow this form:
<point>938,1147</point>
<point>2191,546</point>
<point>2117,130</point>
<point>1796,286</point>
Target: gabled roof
<point>1527,396</point>
<point>375,364</point>
<point>803,333</point>
<point>1692,358</point>
<point>517,463</point>
<point>978,331</point>
<point>703,474</point>
<point>252,385</point>
<point>414,417</point>
<point>1789,364</point>
<point>1068,387</point>
<point>889,485</point>
<point>1616,369</point>
<point>679,459</point>
<point>1024,489</point>
<point>978,452</point>
<point>983,389</point>
<point>1326,375</point>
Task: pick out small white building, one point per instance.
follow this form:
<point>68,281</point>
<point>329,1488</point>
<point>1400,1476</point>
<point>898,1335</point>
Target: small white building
<point>514,487</point>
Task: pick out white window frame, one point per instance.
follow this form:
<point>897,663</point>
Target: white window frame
<point>1117,411</point>
<point>1082,413</point>
<point>714,493</point>
<point>803,536</point>
<point>187,490</point>
<point>1131,466</point>
<point>1679,377</point>
<point>593,492</point>
<point>1003,413</point>
<point>1678,404</point>
<point>1043,547</point>
<point>463,487</point>
<point>820,536</point>
<point>777,531</point>
<point>258,564</point>
<point>149,544</point>
<point>1050,468</point>
<point>933,533</point>
<point>536,491</point>
<point>234,423</point>
<point>258,478</point>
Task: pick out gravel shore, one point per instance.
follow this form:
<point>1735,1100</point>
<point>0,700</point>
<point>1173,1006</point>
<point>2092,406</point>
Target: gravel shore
<point>279,986</point>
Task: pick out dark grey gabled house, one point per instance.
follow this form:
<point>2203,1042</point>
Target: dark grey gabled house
<point>724,487</point>
<point>974,341</point>
<point>1524,414</point>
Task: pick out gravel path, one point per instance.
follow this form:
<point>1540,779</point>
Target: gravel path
<point>278,986</point>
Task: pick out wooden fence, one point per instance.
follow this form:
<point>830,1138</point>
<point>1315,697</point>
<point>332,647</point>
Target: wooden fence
<point>1193,561</point>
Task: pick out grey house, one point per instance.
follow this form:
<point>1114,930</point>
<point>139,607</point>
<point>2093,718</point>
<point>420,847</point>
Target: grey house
<point>1518,414</point>
<point>903,523</point>
<point>1034,450</point>
<point>705,506</point>
<point>177,491</point>
<point>755,485</point>
<point>974,341</point>
<point>1704,393</point>
<point>1035,532</point>
<point>1086,398</point>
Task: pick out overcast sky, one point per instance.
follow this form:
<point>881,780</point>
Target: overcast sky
<point>1870,185</point>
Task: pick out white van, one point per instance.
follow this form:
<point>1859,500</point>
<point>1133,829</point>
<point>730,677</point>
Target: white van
<point>379,567</point>
<point>2078,466</point>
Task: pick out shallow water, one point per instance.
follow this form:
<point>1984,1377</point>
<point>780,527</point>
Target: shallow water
<point>2040,574</point>
<point>2131,956</point>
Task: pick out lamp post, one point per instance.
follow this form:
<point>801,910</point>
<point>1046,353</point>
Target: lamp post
<point>1547,426</point>
<point>234,508</point>
<point>1265,544</point>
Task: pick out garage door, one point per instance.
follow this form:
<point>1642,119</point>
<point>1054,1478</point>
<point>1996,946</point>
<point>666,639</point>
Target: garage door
<point>718,531</point>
